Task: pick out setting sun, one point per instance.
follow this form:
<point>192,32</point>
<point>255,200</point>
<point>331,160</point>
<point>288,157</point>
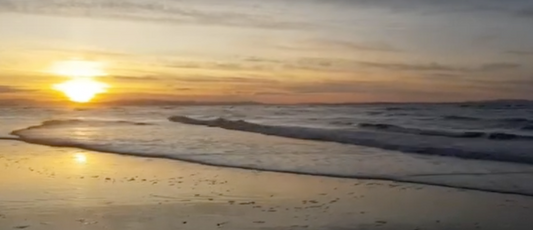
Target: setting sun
<point>81,90</point>
<point>82,87</point>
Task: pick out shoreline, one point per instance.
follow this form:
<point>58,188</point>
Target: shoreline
<point>64,188</point>
<point>164,157</point>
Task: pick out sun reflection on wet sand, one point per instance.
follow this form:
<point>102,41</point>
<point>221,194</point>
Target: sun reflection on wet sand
<point>80,158</point>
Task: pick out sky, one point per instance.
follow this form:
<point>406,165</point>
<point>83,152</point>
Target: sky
<point>276,51</point>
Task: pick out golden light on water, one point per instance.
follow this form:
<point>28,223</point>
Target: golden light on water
<point>80,158</point>
<point>82,88</point>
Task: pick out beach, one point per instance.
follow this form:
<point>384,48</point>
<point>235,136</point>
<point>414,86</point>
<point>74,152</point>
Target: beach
<point>266,115</point>
<point>66,188</point>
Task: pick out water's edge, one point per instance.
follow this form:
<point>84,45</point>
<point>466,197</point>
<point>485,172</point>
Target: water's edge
<point>11,139</point>
<point>360,177</point>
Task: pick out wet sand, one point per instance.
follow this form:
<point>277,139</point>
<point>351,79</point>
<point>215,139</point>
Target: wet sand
<point>63,188</point>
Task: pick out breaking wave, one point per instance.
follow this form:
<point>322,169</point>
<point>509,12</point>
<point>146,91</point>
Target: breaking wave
<point>474,145</point>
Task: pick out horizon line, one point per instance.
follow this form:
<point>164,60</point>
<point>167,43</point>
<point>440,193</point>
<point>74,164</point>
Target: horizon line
<point>158,102</point>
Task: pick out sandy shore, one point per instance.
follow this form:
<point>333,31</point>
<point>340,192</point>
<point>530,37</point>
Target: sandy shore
<point>60,188</point>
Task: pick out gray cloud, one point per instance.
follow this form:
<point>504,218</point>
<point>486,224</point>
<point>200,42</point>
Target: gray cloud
<point>337,45</point>
<point>331,87</point>
<point>518,8</point>
<point>339,65</point>
<point>437,67</point>
<point>518,86</point>
<point>444,75</point>
<point>526,12</point>
<point>520,53</point>
<point>499,66</point>
<point>342,45</point>
<point>412,67</point>
<point>189,12</point>
<point>383,89</point>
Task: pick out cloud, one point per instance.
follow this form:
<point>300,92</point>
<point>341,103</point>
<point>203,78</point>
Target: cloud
<point>224,79</point>
<point>380,89</point>
<point>444,75</point>
<point>178,12</point>
<point>199,79</point>
<point>526,12</point>
<point>185,65</point>
<point>84,52</point>
<point>4,89</point>
<point>411,67</point>
<point>183,89</point>
<point>518,8</point>
<point>340,45</point>
<point>246,64</point>
<point>205,65</point>
<point>342,65</point>
<point>499,66</point>
<point>261,60</point>
<point>520,53</point>
<point>437,67</point>
<point>338,65</point>
<point>270,93</point>
<point>330,87</point>
<point>518,86</point>
<point>259,64</point>
<point>131,78</point>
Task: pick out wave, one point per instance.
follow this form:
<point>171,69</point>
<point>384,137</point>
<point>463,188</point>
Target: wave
<point>341,160</point>
<point>399,129</point>
<point>415,179</point>
<point>527,127</point>
<point>497,104</point>
<point>515,120</point>
<point>345,123</point>
<point>462,118</point>
<point>89,122</point>
<point>324,135</point>
<point>82,122</point>
<point>505,120</point>
<point>517,150</point>
<point>511,119</point>
<point>397,108</point>
<point>9,139</point>
<point>443,133</point>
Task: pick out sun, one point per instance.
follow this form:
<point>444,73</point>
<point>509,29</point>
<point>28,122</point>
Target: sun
<point>81,90</point>
<point>82,87</point>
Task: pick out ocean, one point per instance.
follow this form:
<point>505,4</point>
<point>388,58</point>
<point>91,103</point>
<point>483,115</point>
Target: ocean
<point>479,145</point>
